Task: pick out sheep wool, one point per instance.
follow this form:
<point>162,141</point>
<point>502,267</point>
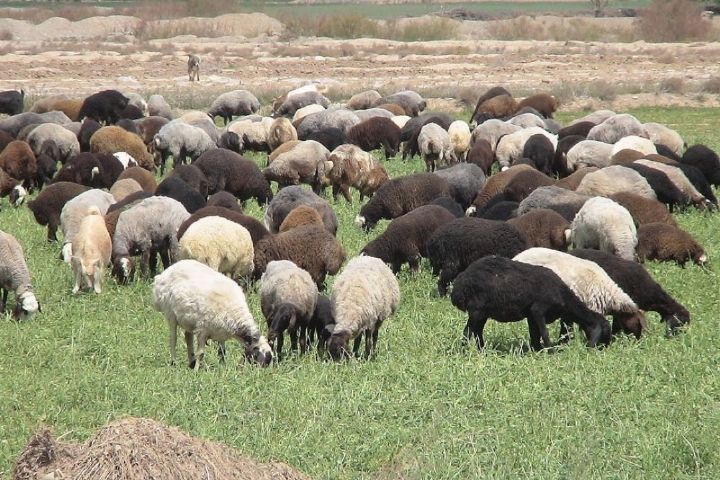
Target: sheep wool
<point>92,247</point>
<point>605,225</point>
<point>75,210</point>
<point>15,277</point>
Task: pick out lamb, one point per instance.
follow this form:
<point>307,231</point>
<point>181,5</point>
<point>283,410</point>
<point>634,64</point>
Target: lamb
<point>349,166</point>
<point>15,277</point>
<point>310,247</point>
<point>236,102</point>
<point>295,102</point>
<point>66,141</point>
<point>605,225</point>
<point>207,304</point>
<point>281,131</point>
<point>305,163</point>
<point>634,280</point>
<point>678,178</point>
<point>181,141</point>
<point>158,107</point>
<point>289,198</point>
<point>114,139</point>
<point>660,134</point>
<point>226,200</point>
<point>19,162</point>
<point>482,155</point>
<point>459,133</point>
<point>510,147</point>
<point>592,286</point>
<point>142,176</point>
<point>465,181</point>
<point>456,244</point>
<point>221,244</point>
<point>495,185</point>
<point>405,239</point>
<point>299,216</point>
<point>666,243</point>
<point>12,102</point>
<point>13,125</point>
<point>288,297</point>
<point>364,295</point>
<point>233,173</point>
<point>363,100</point>
<point>542,227</point>
<point>434,144</point>
<point>614,179</point>
<point>48,205</point>
<point>91,251</point>
<point>496,107</point>
<point>492,92</point>
<point>704,159</point>
<point>374,133</point>
<point>589,153</point>
<point>256,229</point>
<point>400,195</point>
<point>492,131</point>
<point>509,291</point>
<point>617,127</point>
<point>644,210</point>
<point>75,210</point>
<point>147,229</point>
<point>124,188</point>
<point>104,106</point>
<point>178,189</point>
<point>633,142</point>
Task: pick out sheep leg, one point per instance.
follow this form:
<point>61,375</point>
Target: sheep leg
<point>335,192</point>
<point>356,344</point>
<point>52,230</point>
<point>368,344</point>
<point>221,351</point>
<point>474,328</point>
<point>279,345</point>
<point>190,349</point>
<point>303,338</point>
<point>566,331</point>
<point>538,327</point>
<point>97,280</point>
<point>375,332</point>
<point>173,340</point>
<point>202,341</point>
<point>165,257</point>
<point>293,339</point>
<point>153,262</point>
<point>3,299</point>
<point>346,193</point>
<point>145,263</point>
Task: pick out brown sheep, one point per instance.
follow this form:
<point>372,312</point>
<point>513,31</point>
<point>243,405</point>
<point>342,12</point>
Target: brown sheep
<point>285,147</point>
<point>524,183</point>
<point>491,93</point>
<point>543,227</point>
<point>281,131</point>
<point>121,189</point>
<point>495,185</point>
<point>572,181</point>
<point>497,107</point>
<point>349,166</point>
<point>644,210</point>
<point>544,103</point>
<point>148,127</point>
<point>114,139</point>
<point>18,161</point>
<point>142,176</point>
<point>48,205</point>
<point>7,184</point>
<point>579,128</point>
<point>482,155</point>
<point>626,156</point>
<point>70,107</point>
<point>300,216</point>
<point>393,108</point>
<point>663,242</point>
<point>362,100</point>
<point>5,139</point>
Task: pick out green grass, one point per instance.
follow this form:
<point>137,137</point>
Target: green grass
<point>426,407</point>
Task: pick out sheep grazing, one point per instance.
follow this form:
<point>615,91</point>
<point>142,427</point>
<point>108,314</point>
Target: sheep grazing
<point>605,225</point>
<point>644,210</point>
<point>299,216</point>
<point>181,140</point>
<point>194,177</point>
<point>666,243</point>
<point>207,304</point>
<point>662,135</point>
<point>91,251</point>
<point>617,127</point>
<point>541,152</point>
<point>13,125</point>
<point>304,112</point>
<point>221,244</point>
<point>492,131</point>
<point>177,188</point>
<point>459,133</point>
<point>509,291</point>
<point>15,277</point>
<point>565,202</point>
<point>66,142</point>
<point>704,159</point>
<point>496,107</point>
<point>510,147</point>
<point>524,183</point>
<point>614,179</point>
<point>527,120</point>
<point>233,173</point>
<point>572,181</point>
<point>114,139</point>
<point>495,185</point>
<point>482,155</point>
<point>374,133</point>
<point>142,176</point>
<point>592,286</point>
<point>409,100</point>
<point>122,189</point>
<point>365,294</point>
<point>200,120</point>
<point>405,239</point>
<point>75,210</point>
<point>363,100</point>
<point>236,102</point>
<point>349,166</point>
<point>305,163</point>
<point>544,103</point>
<point>580,129</point>
<point>226,200</point>
<point>295,102</point>
<point>465,180</point>
<point>281,131</point>
<point>499,209</point>
<point>256,229</point>
<point>492,92</point>
<point>399,196</point>
<point>542,227</point>
<point>588,153</point>
<point>87,130</point>
<point>633,142</point>
<point>158,107</point>
<point>640,286</point>
<point>435,146</point>
<point>665,190</point>
<point>679,179</point>
<point>103,107</point>
<point>19,162</point>
<point>48,205</point>
<point>288,298</point>
<point>290,198</point>
<point>12,102</point>
<point>596,117</point>
<point>456,244</point>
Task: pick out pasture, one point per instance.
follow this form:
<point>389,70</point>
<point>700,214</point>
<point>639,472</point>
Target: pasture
<point>425,407</point>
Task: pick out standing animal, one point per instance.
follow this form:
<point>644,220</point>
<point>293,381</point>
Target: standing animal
<point>193,67</point>
<point>12,101</point>
<point>15,277</point>
<point>91,251</point>
<point>435,146</point>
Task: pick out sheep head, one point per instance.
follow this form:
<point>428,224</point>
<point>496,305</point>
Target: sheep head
<point>258,350</point>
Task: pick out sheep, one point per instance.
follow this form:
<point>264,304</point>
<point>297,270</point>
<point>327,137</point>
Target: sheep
<point>495,107</point>
<point>181,140</point>
<point>236,102</point>
<point>465,181</point>
<point>305,111</point>
<point>330,138</point>
<point>221,244</point>
<point>374,133</point>
<point>12,102</point>
<point>288,297</point>
<point>147,128</point>
<point>492,92</point>
<point>678,178</point>
<point>207,304</point>
<point>663,135</point>
<point>200,120</point>
<point>617,127</point>
<point>524,183</point>
<point>147,229</point>
<point>19,162</point>
<point>592,286</point>
<point>588,153</point>
<point>281,131</point>
<point>644,210</point>
<point>299,216</point>
<point>256,229</point>
<point>15,277</point>
<point>12,188</point>
<point>226,200</point>
<point>295,102</point>
<point>291,197</point>
<point>633,142</point>
<point>527,120</point>
<point>322,322</point>
<point>253,133</point>
<point>499,209</point>
<point>158,107</point>
<point>411,130</point>
<point>434,144</point>
<point>544,103</point>
<point>121,189</point>
<point>365,294</point>
<point>400,121</point>
<point>310,247</point>
<point>604,225</point>
<point>394,109</point>
<point>704,159</point>
<point>540,150</point>
<point>142,176</point>
<point>614,179</point>
<point>580,129</point>
<point>75,210</point>
<point>69,106</point>
<point>91,251</point>
<point>400,195</point>
<point>349,166</point>
<point>665,243</point>
<point>666,152</point>
<point>634,280</point>
<point>459,133</point>
<point>46,168</point>
<point>87,130</point>
<point>193,176</point>
<point>305,163</point>
<point>114,139</point>
<point>409,100</point>
<point>509,291</point>
<point>596,117</point>
<point>492,131</point>
<point>542,227</point>
<point>104,106</point>
<point>698,180</point>
<point>48,205</point>
<point>665,190</point>
<point>481,154</point>
<point>551,197</point>
<point>363,100</point>
<point>228,171</point>
<point>572,181</point>
<point>458,243</point>
<point>376,112</point>
<point>495,185</point>
<point>510,147</point>
<point>405,238</point>
<point>67,143</point>
<point>13,125</point>
<point>177,188</point>
<point>335,118</point>
<point>92,170</point>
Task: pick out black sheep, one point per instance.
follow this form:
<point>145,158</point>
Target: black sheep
<point>130,112</point>
<point>450,205</point>
<point>256,229</point>
<point>177,188</point>
<point>87,129</point>
<point>559,165</point>
<point>540,150</point>
<point>49,203</point>
<point>374,133</point>
<point>231,141</point>
<point>524,183</point>
<point>482,155</point>
<point>665,151</point>
<point>128,125</point>
<point>634,280</point>
<point>226,170</point>
<point>455,245</point>
<point>502,210</point>
<point>699,181</point>
<point>509,291</point>
<point>321,322</point>
<point>405,239</point>
<point>104,107</point>
<point>399,196</point>
<point>12,102</point>
<point>410,132</point>
<point>704,159</point>
<point>330,138</point>
<point>226,200</point>
<point>90,169</point>
<point>665,190</point>
<point>580,129</point>
<point>194,177</point>
<point>46,168</point>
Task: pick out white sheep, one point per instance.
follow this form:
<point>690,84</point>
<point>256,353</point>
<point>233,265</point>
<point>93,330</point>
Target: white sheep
<point>205,303</point>
<point>661,135</point>
<point>596,117</point>
<point>510,147</point>
<point>224,246</point>
<point>75,210</point>
<point>615,179</point>
<point>604,225</point>
<point>281,131</point>
<point>435,147</point>
<point>400,120</point>
<point>527,120</point>
<point>364,295</point>
<point>253,133</point>
<point>459,133</point>
<point>303,112</point>
<point>492,131</point>
<point>633,142</point>
<point>91,251</point>
<point>181,140</point>
<point>589,153</point>
<point>678,178</point>
<point>15,277</point>
<point>617,127</point>
<point>288,296</point>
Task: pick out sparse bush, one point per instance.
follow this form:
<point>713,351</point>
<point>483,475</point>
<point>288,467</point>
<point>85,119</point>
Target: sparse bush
<point>602,89</point>
<point>673,21</point>
<point>672,85</point>
<point>360,26</point>
<point>711,85</point>
<point>6,35</point>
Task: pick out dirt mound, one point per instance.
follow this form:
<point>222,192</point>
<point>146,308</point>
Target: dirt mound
<point>139,448</point>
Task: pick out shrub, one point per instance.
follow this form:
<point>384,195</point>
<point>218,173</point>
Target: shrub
<point>6,35</point>
<point>711,85</point>
<point>672,85</point>
<point>673,21</point>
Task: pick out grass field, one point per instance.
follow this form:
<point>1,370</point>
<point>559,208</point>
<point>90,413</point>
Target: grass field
<point>425,408</point>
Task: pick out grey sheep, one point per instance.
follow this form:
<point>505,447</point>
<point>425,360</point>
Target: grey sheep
<point>339,118</point>
<point>158,106</point>
<point>15,277</point>
<point>290,197</point>
<point>435,147</point>
<point>14,124</point>
<point>181,140</point>
<point>551,197</point>
<point>363,100</point>
<point>465,180</point>
<point>295,102</point>
<point>617,127</point>
<point>236,102</point>
<point>66,142</point>
<point>491,131</point>
<point>305,163</point>
<point>615,179</point>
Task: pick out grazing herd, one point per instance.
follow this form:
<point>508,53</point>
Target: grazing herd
<point>556,232</point>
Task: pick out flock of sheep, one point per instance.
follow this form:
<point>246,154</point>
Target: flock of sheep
<point>605,185</point>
